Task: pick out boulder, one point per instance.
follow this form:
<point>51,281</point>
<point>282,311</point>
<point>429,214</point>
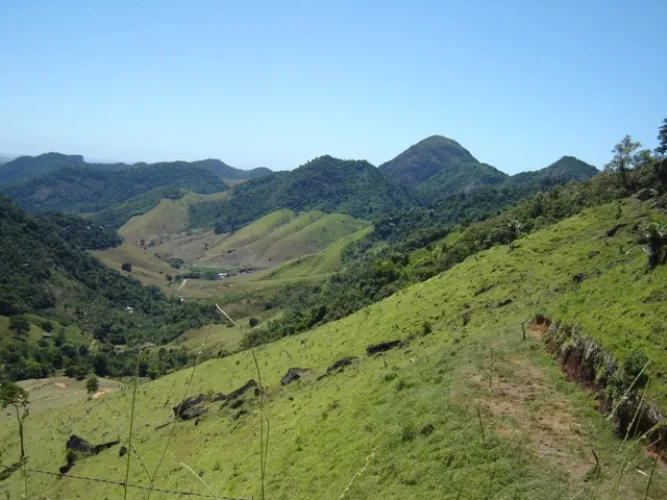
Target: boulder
<point>193,412</point>
<point>187,403</point>
<point>243,389</point>
<point>579,277</point>
<point>505,302</point>
<point>293,374</point>
<point>122,451</point>
<point>645,194</point>
<point>341,364</point>
<point>383,347</point>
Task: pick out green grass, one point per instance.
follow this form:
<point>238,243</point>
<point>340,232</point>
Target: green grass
<point>169,217</point>
<point>372,419</point>
<point>146,267</point>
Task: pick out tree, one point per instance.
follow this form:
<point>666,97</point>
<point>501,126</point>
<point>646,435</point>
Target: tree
<point>92,385</point>
<point>15,396</point>
<point>127,266</point>
<point>20,326</point>
<point>662,139</point>
<point>623,161</point>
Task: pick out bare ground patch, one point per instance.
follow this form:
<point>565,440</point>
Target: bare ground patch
<point>523,406</point>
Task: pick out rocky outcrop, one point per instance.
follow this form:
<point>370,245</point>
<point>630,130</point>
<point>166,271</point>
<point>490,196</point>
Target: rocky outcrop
<point>589,364</point>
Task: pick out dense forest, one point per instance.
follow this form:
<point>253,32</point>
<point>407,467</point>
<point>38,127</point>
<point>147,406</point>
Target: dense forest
<point>84,189</point>
<point>328,184</point>
<point>46,272</point>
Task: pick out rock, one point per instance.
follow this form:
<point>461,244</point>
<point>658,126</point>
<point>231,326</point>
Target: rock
<point>80,445</point>
<point>122,451</point>
<point>427,430</point>
<point>593,253</point>
<point>219,397</point>
<point>341,364</point>
<point>293,374</point>
<point>505,302</point>
<point>187,403</point>
<point>197,421</point>
<point>242,390</point>
<point>466,318</point>
<point>77,447</point>
<point>645,194</point>
<point>612,232</point>
<point>579,277</point>
<point>238,415</point>
<point>383,347</point>
<point>193,412</point>
<point>237,404</point>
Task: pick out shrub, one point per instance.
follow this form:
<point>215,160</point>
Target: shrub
<point>127,266</point>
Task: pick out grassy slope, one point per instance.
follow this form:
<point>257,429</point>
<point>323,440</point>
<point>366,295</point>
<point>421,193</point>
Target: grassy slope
<point>538,428</point>
<point>281,236</point>
<point>167,218</point>
<point>145,266</point>
<point>321,263</point>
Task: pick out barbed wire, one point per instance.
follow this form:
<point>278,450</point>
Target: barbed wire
<point>137,486</point>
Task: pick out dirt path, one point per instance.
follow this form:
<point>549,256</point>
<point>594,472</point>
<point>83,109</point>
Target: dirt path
<point>183,284</point>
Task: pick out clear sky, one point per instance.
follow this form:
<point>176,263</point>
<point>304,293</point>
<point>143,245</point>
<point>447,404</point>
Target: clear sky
<point>518,83</point>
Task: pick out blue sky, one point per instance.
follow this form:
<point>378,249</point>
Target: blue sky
<point>518,83</point>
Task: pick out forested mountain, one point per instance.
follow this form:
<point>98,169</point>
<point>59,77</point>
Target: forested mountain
<point>29,167</point>
<point>568,168</point>
<point>86,189</point>
<point>438,167</point>
<point>221,169</point>
<point>328,184</point>
<point>45,270</point>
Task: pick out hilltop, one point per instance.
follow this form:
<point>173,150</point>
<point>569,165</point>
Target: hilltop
<point>327,184</point>
<point>438,167</point>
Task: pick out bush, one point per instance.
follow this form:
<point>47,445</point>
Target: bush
<point>253,322</point>
<point>127,266</point>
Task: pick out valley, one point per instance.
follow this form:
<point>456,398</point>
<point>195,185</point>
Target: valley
<point>293,334</point>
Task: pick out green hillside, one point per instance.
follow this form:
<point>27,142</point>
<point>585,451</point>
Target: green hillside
<point>281,236</point>
<point>27,167</point>
<point>48,277</point>
<point>467,409</point>
<point>440,164</point>
<point>83,189</point>
<point>23,168</point>
<point>169,216</point>
<point>326,184</point>
<point>568,167</point>
<point>438,168</point>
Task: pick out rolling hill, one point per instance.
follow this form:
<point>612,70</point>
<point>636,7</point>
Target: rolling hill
<point>24,168</point>
<point>85,189</point>
<point>326,184</point>
<point>470,406</point>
